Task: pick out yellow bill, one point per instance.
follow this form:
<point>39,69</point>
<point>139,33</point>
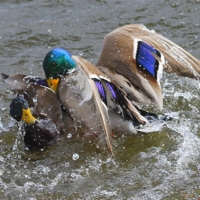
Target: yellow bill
<point>28,118</point>
<point>53,83</point>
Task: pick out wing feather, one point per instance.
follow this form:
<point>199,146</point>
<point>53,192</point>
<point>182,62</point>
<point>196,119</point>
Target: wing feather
<point>118,60</point>
<point>85,66</point>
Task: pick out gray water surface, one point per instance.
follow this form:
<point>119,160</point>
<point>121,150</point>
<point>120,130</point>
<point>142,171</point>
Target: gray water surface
<point>160,165</point>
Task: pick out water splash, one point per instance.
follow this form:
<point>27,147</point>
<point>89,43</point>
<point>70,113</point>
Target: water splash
<point>75,156</point>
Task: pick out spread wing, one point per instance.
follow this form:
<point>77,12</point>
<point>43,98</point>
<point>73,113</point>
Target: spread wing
<point>134,58</point>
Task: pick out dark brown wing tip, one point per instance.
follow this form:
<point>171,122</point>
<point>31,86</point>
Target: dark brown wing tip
<point>4,76</point>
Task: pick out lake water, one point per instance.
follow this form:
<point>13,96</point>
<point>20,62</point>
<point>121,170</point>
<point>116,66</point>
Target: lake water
<point>160,165</point>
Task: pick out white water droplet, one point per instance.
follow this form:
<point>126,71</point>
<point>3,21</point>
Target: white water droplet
<point>75,156</point>
<point>34,100</point>
<point>69,135</point>
<point>66,164</point>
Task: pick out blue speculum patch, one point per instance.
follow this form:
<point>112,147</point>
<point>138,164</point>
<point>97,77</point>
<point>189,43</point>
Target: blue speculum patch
<point>111,89</point>
<point>101,90</point>
<point>145,58</point>
<point>42,82</point>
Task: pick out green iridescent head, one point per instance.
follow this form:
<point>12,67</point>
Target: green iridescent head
<point>20,110</point>
<point>57,63</point>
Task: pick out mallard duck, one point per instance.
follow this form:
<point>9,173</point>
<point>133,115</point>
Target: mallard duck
<point>45,124</point>
<point>127,74</point>
<point>39,132</point>
<point>83,95</point>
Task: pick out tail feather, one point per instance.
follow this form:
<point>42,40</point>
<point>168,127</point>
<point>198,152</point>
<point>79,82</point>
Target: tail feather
<point>4,76</point>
